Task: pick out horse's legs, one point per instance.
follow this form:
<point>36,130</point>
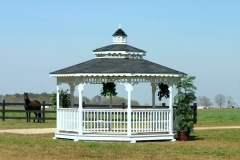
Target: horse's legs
<point>35,116</point>
<point>28,116</point>
<point>39,116</point>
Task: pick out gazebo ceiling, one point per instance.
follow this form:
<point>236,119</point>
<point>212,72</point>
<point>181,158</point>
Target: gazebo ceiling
<point>117,66</point>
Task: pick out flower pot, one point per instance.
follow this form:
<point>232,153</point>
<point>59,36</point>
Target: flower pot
<point>183,136</point>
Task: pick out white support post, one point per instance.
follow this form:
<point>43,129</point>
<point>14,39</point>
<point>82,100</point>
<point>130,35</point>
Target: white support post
<point>129,88</point>
<point>72,88</point>
<point>153,94</point>
<point>171,107</point>
<point>58,120</point>
<point>58,90</point>
<point>80,90</point>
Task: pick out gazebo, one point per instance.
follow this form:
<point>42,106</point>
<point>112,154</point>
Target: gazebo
<point>122,64</point>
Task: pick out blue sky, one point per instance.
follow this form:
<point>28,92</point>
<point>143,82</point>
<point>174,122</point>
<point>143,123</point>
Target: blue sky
<point>200,38</point>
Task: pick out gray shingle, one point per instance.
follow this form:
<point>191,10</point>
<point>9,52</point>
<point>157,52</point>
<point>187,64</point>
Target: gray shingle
<point>117,65</point>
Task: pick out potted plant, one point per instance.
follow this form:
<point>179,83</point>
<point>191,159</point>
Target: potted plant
<point>109,89</point>
<point>183,113</point>
<point>163,91</point>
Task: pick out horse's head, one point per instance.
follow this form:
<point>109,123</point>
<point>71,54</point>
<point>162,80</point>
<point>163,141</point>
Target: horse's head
<point>25,95</point>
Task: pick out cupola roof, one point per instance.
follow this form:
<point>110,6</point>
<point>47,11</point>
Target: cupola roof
<point>119,32</point>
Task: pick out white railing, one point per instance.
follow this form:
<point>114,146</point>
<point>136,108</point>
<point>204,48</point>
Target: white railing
<point>68,119</point>
<point>104,120</point>
<point>153,120</point>
<point>114,120</point>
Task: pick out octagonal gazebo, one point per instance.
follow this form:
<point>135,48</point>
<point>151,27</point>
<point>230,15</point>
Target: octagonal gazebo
<point>123,64</point>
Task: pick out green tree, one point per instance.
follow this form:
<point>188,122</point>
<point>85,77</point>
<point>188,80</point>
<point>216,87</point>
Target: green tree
<point>64,99</point>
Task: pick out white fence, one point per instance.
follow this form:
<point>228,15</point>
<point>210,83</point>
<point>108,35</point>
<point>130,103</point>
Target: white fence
<point>113,120</point>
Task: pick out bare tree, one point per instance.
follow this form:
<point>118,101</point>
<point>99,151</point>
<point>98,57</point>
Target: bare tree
<point>220,100</point>
<point>204,101</point>
<point>230,102</point>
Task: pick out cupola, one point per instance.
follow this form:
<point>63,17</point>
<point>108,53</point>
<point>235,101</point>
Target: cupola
<point>119,48</point>
<point>119,37</point>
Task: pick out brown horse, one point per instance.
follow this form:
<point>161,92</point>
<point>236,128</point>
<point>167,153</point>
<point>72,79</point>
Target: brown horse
<point>27,107</point>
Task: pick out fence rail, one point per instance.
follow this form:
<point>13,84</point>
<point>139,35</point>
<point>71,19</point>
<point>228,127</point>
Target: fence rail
<point>43,111</point>
<point>120,113</point>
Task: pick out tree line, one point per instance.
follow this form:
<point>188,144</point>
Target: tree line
<point>18,98</point>
<point>220,100</point>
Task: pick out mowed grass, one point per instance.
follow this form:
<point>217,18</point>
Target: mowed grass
<point>204,144</point>
<point>218,117</point>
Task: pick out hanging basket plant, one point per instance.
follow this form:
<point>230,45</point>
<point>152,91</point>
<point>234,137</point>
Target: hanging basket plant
<point>109,89</point>
<point>164,92</point>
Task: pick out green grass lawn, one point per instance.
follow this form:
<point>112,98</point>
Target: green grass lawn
<point>218,117</point>
<point>204,144</point>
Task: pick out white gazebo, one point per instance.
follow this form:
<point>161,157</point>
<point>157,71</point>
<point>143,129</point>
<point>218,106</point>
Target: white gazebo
<point>122,64</point>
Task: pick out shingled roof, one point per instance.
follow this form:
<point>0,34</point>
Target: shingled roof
<point>117,65</point>
<point>118,47</point>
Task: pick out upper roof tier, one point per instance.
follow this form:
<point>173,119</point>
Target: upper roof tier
<point>119,48</point>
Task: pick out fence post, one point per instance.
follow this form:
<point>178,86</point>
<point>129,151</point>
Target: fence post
<point>123,113</point>
<point>195,113</point>
<point>123,105</point>
<point>83,104</point>
<point>43,112</point>
<point>3,111</point>
<point>163,105</point>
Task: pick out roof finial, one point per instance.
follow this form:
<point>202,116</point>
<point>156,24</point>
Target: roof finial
<point>119,26</point>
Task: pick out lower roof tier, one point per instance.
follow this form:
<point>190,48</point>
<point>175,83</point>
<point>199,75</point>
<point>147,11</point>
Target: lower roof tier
<point>118,66</point>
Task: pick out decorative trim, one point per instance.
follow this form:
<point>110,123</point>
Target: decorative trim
<point>132,75</point>
<point>100,80</point>
<point>119,54</point>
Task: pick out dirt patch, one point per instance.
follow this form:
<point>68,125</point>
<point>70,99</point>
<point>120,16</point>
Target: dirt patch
<point>30,131</point>
<point>52,130</point>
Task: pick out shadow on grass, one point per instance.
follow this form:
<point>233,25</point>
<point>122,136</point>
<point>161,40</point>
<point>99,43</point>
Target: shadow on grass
<point>195,138</point>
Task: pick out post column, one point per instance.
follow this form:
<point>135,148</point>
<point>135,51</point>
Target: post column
<point>80,108</point>
<point>129,88</point>
<point>57,108</point>
<point>72,88</point>
<point>153,94</point>
<point>171,107</point>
